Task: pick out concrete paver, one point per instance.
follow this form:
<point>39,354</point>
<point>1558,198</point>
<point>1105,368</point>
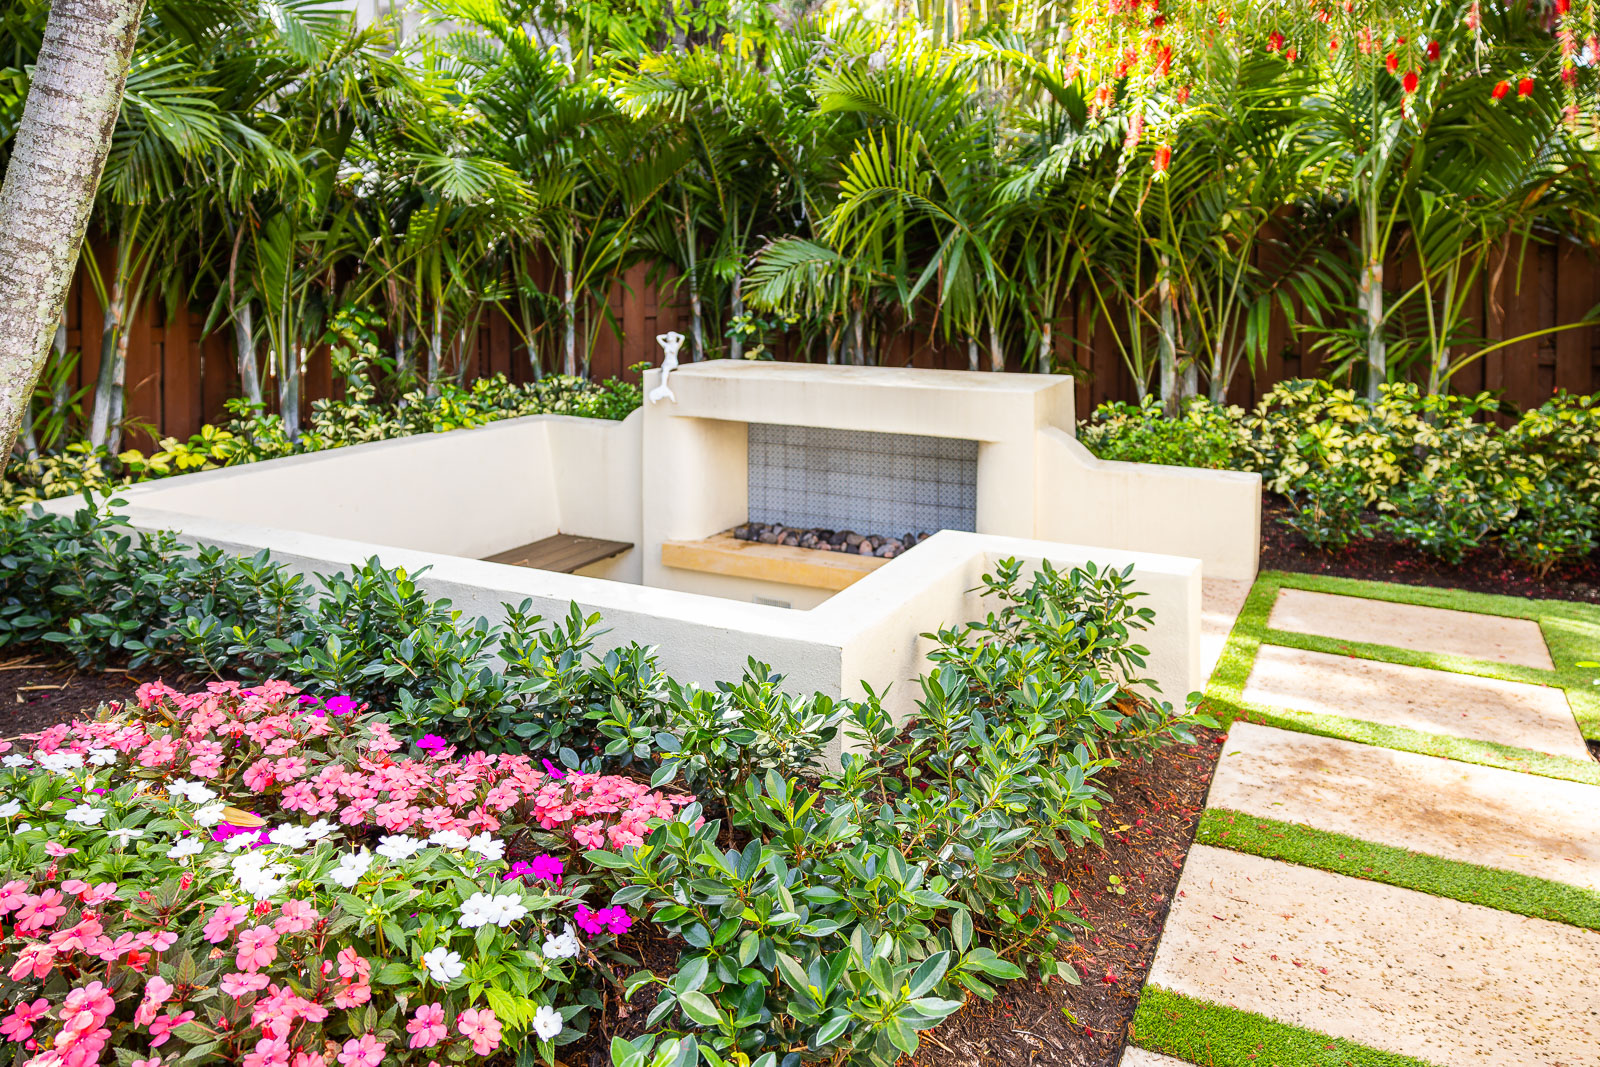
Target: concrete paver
<point>1487,709</point>
<point>1454,984</point>
<point>1412,626</point>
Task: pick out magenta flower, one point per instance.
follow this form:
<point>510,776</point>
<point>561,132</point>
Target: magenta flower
<point>552,770</point>
<point>613,920</point>
<point>340,705</point>
<point>430,742</point>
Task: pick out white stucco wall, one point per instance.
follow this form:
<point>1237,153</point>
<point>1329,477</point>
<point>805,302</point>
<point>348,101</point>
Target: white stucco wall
<point>465,493</point>
<point>1212,516</point>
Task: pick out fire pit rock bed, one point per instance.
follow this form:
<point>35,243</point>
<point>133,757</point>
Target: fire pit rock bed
<point>770,533</point>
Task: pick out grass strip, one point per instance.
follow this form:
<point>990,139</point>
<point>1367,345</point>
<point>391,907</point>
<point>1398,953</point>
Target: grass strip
<point>1467,882</point>
<point>1571,632</point>
<point>1570,625</point>
<point>1217,1036</point>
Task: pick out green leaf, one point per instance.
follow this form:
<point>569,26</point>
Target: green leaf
<point>698,1006</point>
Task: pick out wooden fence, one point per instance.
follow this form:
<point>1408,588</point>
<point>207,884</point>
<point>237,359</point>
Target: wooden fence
<point>177,379</point>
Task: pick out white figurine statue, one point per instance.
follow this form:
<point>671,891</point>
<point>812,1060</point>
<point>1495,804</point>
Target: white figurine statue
<point>670,342</point>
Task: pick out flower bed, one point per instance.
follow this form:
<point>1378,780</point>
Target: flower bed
<point>249,875</point>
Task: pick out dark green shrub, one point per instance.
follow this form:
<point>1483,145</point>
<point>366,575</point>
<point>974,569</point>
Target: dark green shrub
<point>861,910</point>
<point>1553,524</point>
<point>1327,508</point>
<point>1446,517</point>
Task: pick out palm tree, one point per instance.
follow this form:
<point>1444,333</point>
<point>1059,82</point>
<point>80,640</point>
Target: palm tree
<point>51,176</point>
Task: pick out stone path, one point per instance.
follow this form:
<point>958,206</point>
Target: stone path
<point>1485,709</point>
<point>1447,982</point>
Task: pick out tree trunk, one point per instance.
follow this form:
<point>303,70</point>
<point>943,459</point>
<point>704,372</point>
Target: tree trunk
<point>56,159</point>
<point>857,329</point>
<point>972,354</point>
<point>1372,304</point>
<point>1168,343</point>
<point>435,350</point>
<point>1047,352</point>
<point>58,397</point>
<point>113,369</point>
<point>736,306</point>
<point>997,356</point>
<point>289,393</point>
<point>244,343</point>
<point>569,340</point>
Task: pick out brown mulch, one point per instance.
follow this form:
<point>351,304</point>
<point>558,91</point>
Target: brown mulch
<point>1150,824</point>
<point>1384,560</point>
<point>37,691</point>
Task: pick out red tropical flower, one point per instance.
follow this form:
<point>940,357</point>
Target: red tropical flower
<point>1392,61</point>
<point>1433,51</point>
<point>1274,41</point>
<point>1161,159</point>
<point>1409,82</point>
<point>1525,87</point>
<point>1501,88</point>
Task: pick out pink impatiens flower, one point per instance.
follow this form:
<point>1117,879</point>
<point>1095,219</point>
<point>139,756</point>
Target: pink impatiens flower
<point>18,1026</point>
<point>480,1026</point>
<point>367,1051</point>
<point>222,922</point>
<point>427,1028</point>
<point>258,946</point>
<point>40,912</point>
<point>161,1029</point>
<point>238,985</point>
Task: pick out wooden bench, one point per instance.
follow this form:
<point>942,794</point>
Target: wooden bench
<point>563,552</point>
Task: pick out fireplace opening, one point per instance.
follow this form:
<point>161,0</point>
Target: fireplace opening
<point>857,491</point>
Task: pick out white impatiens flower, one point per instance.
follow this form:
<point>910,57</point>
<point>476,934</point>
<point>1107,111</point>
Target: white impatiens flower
<point>124,834</point>
<point>352,865</point>
<point>511,909</point>
<point>210,815</point>
<point>443,965</point>
<point>189,846</point>
<point>319,829</point>
<point>399,846</point>
<point>86,815</point>
<point>15,760</point>
<point>547,1022</point>
<point>193,792</point>
<point>61,762</point>
<point>258,876</point>
<point>477,910</point>
<point>563,946</point>
<point>449,839</point>
<point>240,842</point>
<point>487,847</point>
<point>481,909</point>
<point>289,836</point>
<point>10,808</point>
<point>102,757</point>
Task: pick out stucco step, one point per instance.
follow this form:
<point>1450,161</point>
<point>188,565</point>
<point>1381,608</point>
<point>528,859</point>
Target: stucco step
<point>1528,716</point>
<point>1412,626</point>
<point>1446,982</point>
<point>1542,827</point>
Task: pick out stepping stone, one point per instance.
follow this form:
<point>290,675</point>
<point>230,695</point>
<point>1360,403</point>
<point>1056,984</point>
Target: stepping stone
<point>1536,826</point>
<point>1453,984</point>
<point>1221,600</point>
<point>1536,717</point>
<point>1421,629</point>
<point>1138,1057</point>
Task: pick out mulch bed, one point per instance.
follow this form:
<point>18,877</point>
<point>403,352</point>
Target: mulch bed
<point>1384,560</point>
<point>37,692</point>
<point>1150,823</point>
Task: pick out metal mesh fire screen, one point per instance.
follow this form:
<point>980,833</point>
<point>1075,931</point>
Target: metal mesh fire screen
<point>872,483</point>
